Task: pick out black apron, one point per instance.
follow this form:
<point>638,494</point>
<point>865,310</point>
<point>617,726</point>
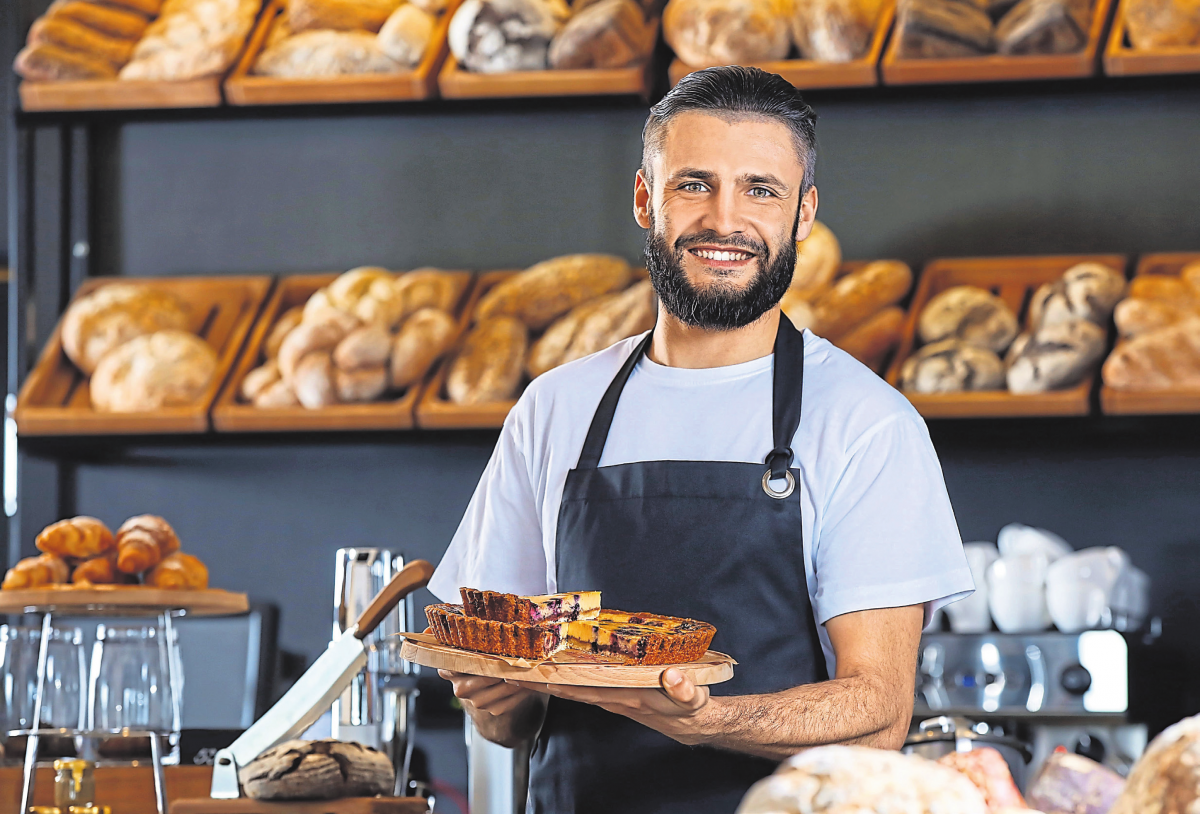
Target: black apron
<point>698,539</point>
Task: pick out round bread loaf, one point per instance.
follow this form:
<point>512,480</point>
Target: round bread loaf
<point>163,369</point>
<point>607,34</point>
<point>1055,356</point>
<point>317,770</point>
<point>406,34</point>
<point>1085,291</point>
<point>834,30</point>
<point>1166,778</point>
<point>705,33</point>
<point>495,36</point>
<point>112,315</point>
<point>970,314</point>
<point>952,366</point>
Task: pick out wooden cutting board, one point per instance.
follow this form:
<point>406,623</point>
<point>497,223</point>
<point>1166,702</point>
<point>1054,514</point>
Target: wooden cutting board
<point>567,667</point>
<point>100,599</point>
<point>344,805</point>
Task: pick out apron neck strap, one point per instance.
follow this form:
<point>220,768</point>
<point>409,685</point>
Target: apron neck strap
<point>787,388</point>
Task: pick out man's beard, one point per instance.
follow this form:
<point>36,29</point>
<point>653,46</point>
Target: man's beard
<point>719,307</point>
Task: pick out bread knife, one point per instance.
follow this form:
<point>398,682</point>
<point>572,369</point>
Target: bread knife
<point>313,692</point>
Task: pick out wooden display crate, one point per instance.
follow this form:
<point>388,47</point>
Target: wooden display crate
<point>55,399</point>
<point>230,414</point>
<point>1013,279</point>
<point>242,88</point>
<point>809,74</point>
<point>636,80</point>
<point>1122,59</point>
<point>997,67</point>
<point>1175,400</point>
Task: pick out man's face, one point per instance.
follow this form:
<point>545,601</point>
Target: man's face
<point>723,216</point>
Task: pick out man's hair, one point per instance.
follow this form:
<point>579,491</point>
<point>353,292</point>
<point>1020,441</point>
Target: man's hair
<point>736,91</point>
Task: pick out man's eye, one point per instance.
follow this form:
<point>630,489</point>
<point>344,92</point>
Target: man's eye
<point>693,186</point>
<point>761,192</point>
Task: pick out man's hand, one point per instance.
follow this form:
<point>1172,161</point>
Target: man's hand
<point>481,695</point>
<point>679,710</point>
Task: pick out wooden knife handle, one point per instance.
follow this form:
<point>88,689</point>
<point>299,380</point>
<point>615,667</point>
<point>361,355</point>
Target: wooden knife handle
<point>412,576</point>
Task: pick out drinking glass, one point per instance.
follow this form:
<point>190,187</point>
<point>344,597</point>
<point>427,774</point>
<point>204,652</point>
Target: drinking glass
<point>131,686</point>
<point>62,692</point>
<point>18,672</point>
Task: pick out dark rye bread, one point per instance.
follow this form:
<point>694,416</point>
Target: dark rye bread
<point>453,627</point>
<point>944,28</point>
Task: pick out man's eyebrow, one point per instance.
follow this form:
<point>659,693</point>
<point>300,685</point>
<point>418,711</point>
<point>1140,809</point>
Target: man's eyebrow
<point>693,172</point>
<point>766,180</point>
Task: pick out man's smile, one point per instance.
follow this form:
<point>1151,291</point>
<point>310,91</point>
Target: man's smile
<point>722,257</point>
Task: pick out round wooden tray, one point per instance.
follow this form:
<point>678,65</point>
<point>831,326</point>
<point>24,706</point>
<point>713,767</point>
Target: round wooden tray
<point>121,600</point>
<point>568,666</point>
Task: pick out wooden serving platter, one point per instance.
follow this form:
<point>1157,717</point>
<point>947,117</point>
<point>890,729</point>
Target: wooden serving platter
<point>809,74</point>
<point>637,80</point>
<point>343,805</point>
<point>231,414</point>
<point>1122,59</point>
<point>1013,279</point>
<point>1173,401</point>
<point>567,667</point>
<point>243,88</point>
<point>121,600</point>
<point>55,399</point>
<point>896,70</point>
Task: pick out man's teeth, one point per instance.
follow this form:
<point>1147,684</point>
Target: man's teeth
<point>709,254</point>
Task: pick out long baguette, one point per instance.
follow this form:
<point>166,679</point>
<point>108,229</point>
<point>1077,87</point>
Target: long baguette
<point>859,295</point>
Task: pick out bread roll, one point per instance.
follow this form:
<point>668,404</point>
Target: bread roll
<point>1135,317</point>
<point>970,314</point>
<point>834,30</point>
<point>627,314</point>
<point>360,385</point>
<point>606,34</point>
<point>46,62</point>
<point>1161,287</point>
<point>546,291</point>
<point>1190,274</point>
<point>704,33</point>
<point>36,572</point>
<point>423,339</point>
<point>1044,27</point>
<point>114,22</point>
<point>489,366</point>
<point>179,572</point>
<point>258,380</point>
<point>952,366</point>
<point>365,347</point>
<point>80,537</point>
<point>192,39</point>
<point>406,35</point>
<point>100,570</point>
<point>495,36</point>
<point>75,36</point>
<point>1057,355</point>
<point>339,15</point>
<point>547,353</point>
<point>325,53</point>
<point>858,296</point>
<point>112,315</point>
<point>278,395</point>
<point>313,380</point>
<point>149,8</point>
<point>874,338</point>
<point>279,331</point>
<point>1085,291</point>
<point>345,292</point>
<point>818,258</point>
<point>1168,357</point>
<point>942,29</point>
<point>1156,24</point>
<point>427,288</point>
<point>308,338</point>
<point>143,541</point>
<point>164,369</point>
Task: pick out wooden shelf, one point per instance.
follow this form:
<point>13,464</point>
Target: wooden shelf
<point>1013,279</point>
<point>1122,59</point>
<point>121,600</point>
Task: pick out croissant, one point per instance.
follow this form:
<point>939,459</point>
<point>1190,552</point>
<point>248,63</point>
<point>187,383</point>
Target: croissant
<point>78,537</point>
<point>34,572</point>
<point>98,571</point>
<point>178,571</point>
<point>143,541</point>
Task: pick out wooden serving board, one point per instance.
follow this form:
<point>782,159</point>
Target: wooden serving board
<point>243,88</point>
<point>121,599</point>
<point>1014,280</point>
<point>896,70</point>
<point>231,414</point>
<point>55,399</point>
<point>567,667</point>
<point>636,80</point>
<point>1172,401</point>
<point>1122,59</point>
<point>344,805</point>
<point>809,74</point>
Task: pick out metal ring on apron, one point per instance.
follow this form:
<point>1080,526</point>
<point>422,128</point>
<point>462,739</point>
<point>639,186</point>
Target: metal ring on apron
<point>791,485</point>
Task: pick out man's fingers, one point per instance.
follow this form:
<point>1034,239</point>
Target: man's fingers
<point>681,689</point>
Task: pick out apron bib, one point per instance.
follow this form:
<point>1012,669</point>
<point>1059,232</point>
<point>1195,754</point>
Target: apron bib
<point>716,541</point>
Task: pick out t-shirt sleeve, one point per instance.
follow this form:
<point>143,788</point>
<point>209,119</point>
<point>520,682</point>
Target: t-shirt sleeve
<point>888,537</point>
<point>498,545</point>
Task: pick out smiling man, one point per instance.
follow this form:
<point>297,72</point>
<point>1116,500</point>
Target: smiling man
<point>677,473</point>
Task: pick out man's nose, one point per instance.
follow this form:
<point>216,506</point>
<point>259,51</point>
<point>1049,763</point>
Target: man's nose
<point>724,215</point>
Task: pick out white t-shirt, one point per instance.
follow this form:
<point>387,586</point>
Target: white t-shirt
<point>878,530</point>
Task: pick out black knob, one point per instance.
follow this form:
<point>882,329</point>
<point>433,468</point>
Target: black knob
<point>1076,679</point>
<point>1090,747</point>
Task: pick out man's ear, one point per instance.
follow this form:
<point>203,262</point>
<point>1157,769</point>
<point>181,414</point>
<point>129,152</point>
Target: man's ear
<point>808,214</point>
<point>641,200</point>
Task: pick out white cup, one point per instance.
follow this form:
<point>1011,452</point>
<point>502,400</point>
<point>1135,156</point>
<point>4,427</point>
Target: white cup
<point>1017,538</point>
<point>971,615</point>
<point>1080,588</point>
<point>1017,593</point>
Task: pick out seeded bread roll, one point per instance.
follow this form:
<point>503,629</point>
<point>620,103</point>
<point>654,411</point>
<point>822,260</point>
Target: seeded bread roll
<point>114,22</point>
<point>818,258</point>
<point>727,32</point>
<point>112,315</point>
<point>873,339</point>
<point>406,35</point>
<point>971,314</point>
<point>163,369</point>
<point>606,34</point>
<point>73,36</point>
<point>489,366</point>
<point>858,296</point>
<point>834,30</point>
<point>546,291</point>
<point>1057,355</point>
<point>423,339</point>
<point>952,366</point>
<point>361,384</point>
<point>495,36</point>
<point>290,319</point>
<point>1085,291</point>
<point>1163,23</point>
<point>313,380</point>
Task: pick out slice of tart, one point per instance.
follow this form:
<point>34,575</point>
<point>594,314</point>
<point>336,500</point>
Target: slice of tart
<point>453,627</point>
<point>530,610</point>
<point>641,638</point>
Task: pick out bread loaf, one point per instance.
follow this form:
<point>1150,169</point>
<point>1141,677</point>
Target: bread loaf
<point>818,258</point>
<point>951,366</point>
<point>434,7</point>
<point>489,366</point>
<point>727,32</point>
<point>339,15</point>
<point>628,314</point>
<point>970,314</point>
<point>258,380</point>
<point>347,289</point>
<point>1073,784</point>
<point>75,36</point>
<point>834,30</point>
<point>494,36</point>
<point>178,571</point>
<point>112,315</point>
<point>80,537</point>
<point>149,8</point>
<point>1166,778</point>
<point>36,572</point>
<point>1190,274</point>
<point>280,394</point>
<point>874,338</point>
<point>360,384</point>
<point>987,770</point>
<point>406,35</point>
<point>1163,23</point>
<point>943,28</point>
<point>1085,291</point>
<point>46,62</point>
<point>325,53</point>
<point>547,353</point>
<point>143,542</point>
<point>547,290</point>
<point>115,22</point>
<point>1044,27</point>
<point>426,288</point>
<point>317,770</point>
<point>308,338</point>
<point>192,39</point>
<point>163,369</point>
<point>1167,357</point>
<point>858,296</point>
<point>1057,355</point>
<point>313,380</point>
<point>423,339</point>
<point>365,347</point>
<point>1135,317</point>
<point>279,331</point>
<point>606,34</point>
<point>1161,287</point>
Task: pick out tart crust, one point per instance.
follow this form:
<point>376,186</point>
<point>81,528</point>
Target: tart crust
<point>530,610</point>
<point>513,639</point>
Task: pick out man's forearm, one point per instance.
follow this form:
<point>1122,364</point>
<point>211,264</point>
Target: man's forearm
<point>852,710</point>
<point>513,727</point>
